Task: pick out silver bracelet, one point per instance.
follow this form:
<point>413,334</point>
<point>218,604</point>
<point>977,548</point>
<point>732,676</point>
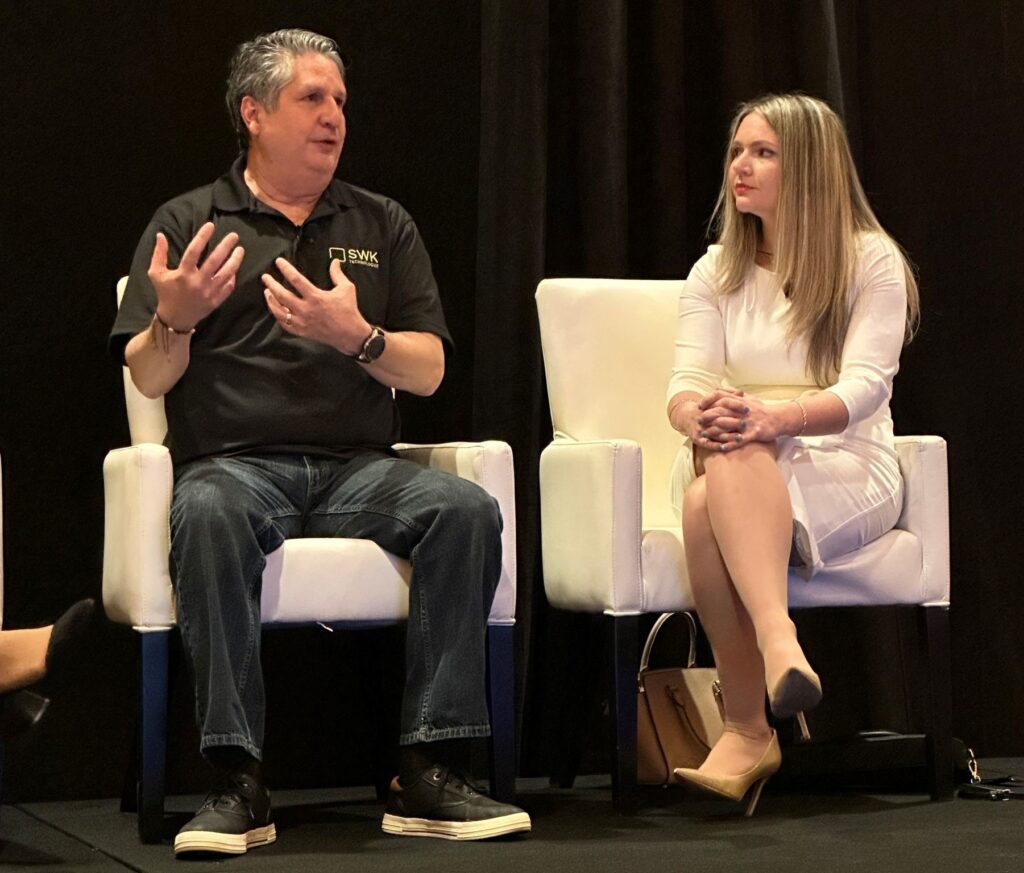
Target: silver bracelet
<point>803,412</point>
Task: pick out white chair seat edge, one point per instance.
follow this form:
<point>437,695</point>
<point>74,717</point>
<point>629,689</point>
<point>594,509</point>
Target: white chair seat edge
<point>137,590</point>
<point>577,574</point>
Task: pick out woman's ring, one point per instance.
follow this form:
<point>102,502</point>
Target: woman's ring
<point>288,317</point>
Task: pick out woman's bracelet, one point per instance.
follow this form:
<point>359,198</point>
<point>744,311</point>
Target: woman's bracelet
<point>803,413</point>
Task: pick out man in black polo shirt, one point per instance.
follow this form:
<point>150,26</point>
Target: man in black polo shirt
<point>275,311</point>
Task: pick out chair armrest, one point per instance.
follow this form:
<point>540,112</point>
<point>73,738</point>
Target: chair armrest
<point>489,465</point>
<point>590,499</point>
<point>926,507</point>
<point>137,483</point>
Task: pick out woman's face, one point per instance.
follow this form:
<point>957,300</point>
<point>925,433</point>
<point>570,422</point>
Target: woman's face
<point>754,169</point>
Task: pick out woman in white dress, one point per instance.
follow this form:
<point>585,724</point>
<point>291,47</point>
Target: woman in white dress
<point>789,336</point>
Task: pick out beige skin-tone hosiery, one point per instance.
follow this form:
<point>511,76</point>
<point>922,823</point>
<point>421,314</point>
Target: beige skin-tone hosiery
<point>23,657</point>
<point>737,523</point>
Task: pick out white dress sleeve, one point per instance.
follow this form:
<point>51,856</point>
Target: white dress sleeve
<point>875,335</point>
<point>700,334</point>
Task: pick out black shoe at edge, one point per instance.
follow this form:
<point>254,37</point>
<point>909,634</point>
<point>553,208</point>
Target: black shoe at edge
<point>441,803</point>
<point>234,818</point>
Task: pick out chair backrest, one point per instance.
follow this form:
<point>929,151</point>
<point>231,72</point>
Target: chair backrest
<point>146,420</point>
<point>607,346</point>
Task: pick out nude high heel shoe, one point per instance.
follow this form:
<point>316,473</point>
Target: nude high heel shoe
<point>796,690</point>
<point>792,685</point>
<point>749,784</point>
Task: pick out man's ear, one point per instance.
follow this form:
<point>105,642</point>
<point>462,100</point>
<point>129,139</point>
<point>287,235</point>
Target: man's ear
<point>251,112</point>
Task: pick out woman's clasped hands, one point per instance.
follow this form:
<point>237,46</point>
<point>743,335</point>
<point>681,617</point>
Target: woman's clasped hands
<point>727,418</point>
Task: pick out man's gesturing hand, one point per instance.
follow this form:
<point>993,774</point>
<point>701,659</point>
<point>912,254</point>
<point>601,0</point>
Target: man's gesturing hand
<point>331,317</point>
<point>186,295</point>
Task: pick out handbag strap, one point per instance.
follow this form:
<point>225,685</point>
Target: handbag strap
<point>691,659</point>
<point>973,786</point>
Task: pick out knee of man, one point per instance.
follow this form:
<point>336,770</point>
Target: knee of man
<point>472,503</point>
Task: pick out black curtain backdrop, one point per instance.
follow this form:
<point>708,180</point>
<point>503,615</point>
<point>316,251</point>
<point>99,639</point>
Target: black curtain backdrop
<point>527,139</point>
<point>638,97</point>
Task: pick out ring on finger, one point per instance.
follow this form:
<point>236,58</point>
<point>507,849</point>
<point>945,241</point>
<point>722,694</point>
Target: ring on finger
<point>288,317</point>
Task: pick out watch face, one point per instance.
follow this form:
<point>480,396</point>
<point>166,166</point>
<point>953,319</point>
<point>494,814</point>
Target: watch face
<point>374,347</point>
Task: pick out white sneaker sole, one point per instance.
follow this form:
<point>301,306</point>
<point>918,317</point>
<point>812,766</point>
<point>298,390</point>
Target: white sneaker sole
<point>456,830</point>
<point>224,844</point>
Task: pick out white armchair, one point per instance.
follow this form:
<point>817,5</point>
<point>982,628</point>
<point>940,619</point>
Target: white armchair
<point>611,542</point>
<point>354,583</point>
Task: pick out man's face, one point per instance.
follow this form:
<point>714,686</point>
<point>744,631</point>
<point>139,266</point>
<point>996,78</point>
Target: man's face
<point>306,130</point>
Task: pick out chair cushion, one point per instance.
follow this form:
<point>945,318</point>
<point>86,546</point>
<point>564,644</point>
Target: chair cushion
<point>332,580</point>
<point>884,572</point>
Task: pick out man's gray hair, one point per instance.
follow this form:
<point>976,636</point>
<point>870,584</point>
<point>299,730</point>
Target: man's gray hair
<point>262,66</point>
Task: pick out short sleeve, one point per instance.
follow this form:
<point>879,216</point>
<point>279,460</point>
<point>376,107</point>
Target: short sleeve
<point>414,303</point>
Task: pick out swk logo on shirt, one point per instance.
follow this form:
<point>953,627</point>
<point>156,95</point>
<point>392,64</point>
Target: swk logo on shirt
<point>355,257</point>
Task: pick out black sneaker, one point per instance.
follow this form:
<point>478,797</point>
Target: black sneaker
<point>443,804</point>
<point>234,818</point>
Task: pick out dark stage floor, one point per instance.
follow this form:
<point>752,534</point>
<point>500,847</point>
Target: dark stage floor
<point>574,830</point>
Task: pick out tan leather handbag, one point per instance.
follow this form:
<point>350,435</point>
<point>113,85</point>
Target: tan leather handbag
<point>679,712</point>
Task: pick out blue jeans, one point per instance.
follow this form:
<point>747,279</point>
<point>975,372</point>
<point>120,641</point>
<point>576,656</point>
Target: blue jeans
<point>229,512</point>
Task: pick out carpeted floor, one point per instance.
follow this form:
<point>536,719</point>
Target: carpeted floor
<point>573,830</point>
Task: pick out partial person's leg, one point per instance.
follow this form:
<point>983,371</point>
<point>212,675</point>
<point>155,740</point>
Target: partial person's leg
<point>450,531</point>
<point>29,655</point>
<point>23,656</point>
<point>733,642</point>
<point>226,515</point>
<point>749,511</point>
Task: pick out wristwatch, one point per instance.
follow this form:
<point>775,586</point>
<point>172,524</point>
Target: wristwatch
<point>373,346</point>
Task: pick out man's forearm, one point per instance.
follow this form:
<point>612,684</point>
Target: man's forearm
<point>412,361</point>
<point>157,358</point>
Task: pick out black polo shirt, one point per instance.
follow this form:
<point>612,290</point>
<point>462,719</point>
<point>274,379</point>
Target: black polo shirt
<point>252,387</point>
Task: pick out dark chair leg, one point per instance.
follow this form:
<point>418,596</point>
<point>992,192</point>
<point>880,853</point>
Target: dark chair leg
<point>130,783</point>
<point>933,623</point>
<point>389,656</point>
<point>152,732</point>
<point>625,653</point>
<point>577,685</point>
<point>501,689</point>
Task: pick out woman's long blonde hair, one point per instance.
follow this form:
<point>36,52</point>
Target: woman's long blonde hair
<point>822,209</point>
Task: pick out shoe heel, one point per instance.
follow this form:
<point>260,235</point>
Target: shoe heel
<point>20,711</point>
<point>755,796</point>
